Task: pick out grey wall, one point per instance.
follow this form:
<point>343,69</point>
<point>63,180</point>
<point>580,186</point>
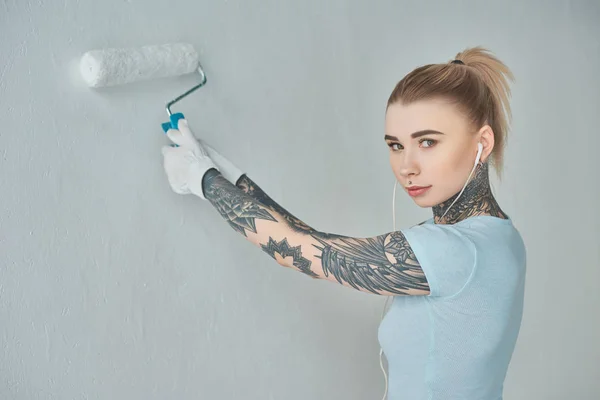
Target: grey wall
<point>113,287</point>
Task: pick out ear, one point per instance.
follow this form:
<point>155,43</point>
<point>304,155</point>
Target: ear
<point>486,138</point>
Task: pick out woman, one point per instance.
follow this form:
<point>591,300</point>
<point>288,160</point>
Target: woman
<point>457,279</point>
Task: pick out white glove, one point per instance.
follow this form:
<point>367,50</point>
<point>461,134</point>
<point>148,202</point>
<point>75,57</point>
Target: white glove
<point>228,170</point>
<point>186,165</point>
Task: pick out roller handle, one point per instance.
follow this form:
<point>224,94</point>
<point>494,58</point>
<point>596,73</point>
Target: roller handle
<point>172,124</point>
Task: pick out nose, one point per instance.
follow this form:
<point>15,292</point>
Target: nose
<point>407,165</point>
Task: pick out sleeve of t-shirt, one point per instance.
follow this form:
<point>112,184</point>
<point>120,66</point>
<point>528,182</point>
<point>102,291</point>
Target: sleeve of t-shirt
<point>446,256</point>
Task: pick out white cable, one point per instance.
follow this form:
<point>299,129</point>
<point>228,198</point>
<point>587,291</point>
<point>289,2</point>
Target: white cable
<point>381,356</point>
<point>463,189</point>
<point>388,298</point>
<point>394,204</point>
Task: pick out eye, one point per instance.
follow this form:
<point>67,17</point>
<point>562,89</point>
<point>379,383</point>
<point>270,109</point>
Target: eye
<point>391,146</point>
<point>433,142</point>
<point>398,146</point>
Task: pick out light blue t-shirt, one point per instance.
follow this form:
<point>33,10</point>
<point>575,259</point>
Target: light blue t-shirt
<point>457,342</point>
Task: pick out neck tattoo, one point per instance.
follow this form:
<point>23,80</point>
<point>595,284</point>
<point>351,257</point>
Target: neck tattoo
<point>477,199</point>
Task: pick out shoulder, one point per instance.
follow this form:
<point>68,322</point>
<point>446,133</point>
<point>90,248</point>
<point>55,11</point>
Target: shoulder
<point>471,234</point>
<point>494,236</point>
<point>486,225</point>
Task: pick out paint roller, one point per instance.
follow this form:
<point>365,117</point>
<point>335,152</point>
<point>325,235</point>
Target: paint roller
<point>111,67</point>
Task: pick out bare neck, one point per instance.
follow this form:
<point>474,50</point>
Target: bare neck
<point>477,199</point>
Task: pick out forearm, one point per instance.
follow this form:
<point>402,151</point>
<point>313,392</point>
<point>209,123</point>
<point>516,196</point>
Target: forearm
<point>253,214</point>
<point>252,189</point>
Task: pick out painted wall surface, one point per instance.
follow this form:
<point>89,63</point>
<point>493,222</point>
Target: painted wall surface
<point>114,287</point>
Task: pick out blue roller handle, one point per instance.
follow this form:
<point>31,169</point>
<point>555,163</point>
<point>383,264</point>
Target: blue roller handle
<point>172,124</point>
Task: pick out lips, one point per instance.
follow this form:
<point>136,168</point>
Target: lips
<point>414,191</point>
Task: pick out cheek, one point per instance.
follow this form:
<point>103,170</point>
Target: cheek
<point>394,164</point>
<point>452,172</point>
<point>453,156</point>
<point>445,169</point>
<point>438,164</point>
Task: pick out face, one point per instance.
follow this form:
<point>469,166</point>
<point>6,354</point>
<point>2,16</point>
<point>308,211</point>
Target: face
<point>431,145</point>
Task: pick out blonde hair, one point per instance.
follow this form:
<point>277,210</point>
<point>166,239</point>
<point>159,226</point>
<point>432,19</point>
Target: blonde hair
<point>480,89</point>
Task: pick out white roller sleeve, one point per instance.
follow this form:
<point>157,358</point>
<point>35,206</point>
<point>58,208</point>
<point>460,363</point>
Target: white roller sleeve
<point>109,67</point>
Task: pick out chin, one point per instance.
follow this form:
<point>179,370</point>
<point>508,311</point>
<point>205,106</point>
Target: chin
<point>423,204</point>
<point>425,201</point>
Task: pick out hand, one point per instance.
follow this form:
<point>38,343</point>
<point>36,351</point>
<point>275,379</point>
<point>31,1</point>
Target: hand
<point>186,165</point>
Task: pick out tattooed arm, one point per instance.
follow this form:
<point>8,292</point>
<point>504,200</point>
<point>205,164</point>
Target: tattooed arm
<point>383,265</point>
<point>253,190</point>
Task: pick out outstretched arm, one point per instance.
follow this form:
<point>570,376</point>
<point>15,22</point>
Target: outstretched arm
<point>383,265</point>
<point>249,187</point>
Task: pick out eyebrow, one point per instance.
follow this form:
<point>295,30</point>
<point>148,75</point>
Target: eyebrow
<point>417,134</point>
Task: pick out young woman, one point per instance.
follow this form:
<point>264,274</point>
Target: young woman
<point>457,280</point>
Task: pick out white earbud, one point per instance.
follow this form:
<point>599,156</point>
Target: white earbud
<point>479,151</point>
